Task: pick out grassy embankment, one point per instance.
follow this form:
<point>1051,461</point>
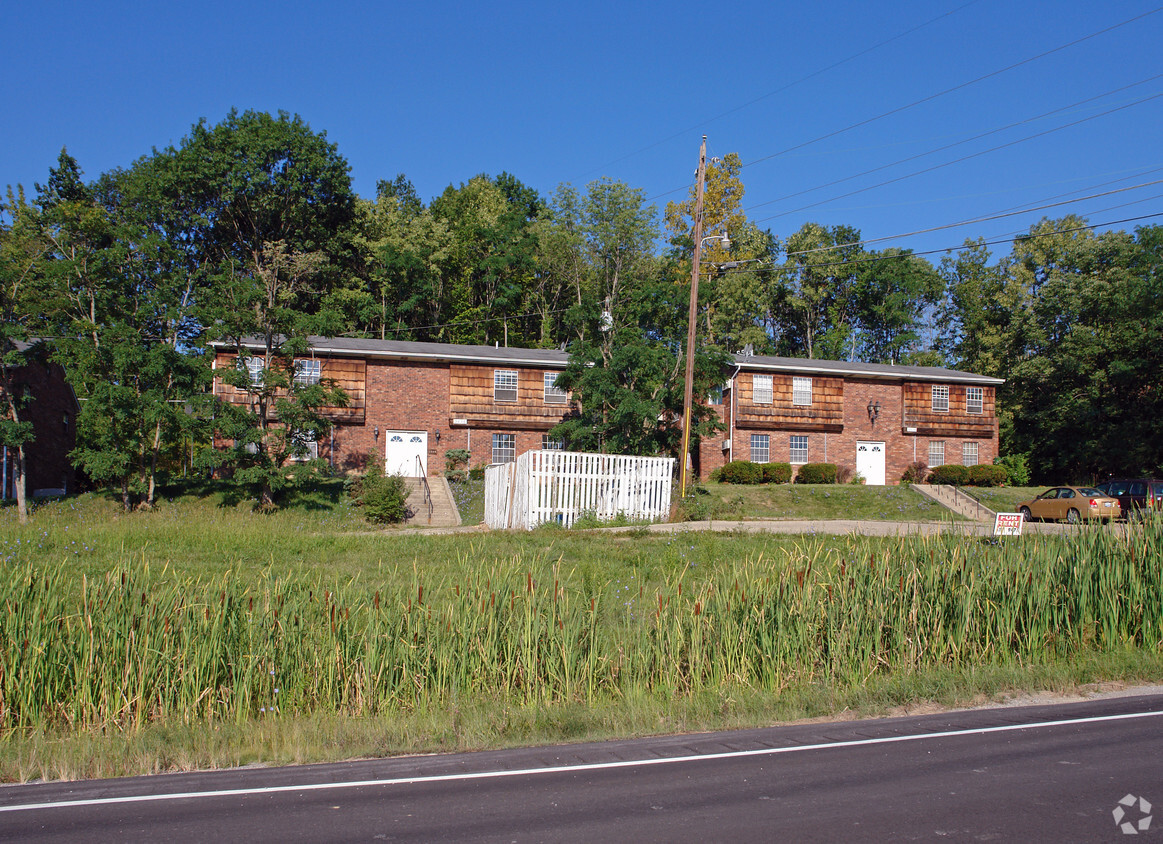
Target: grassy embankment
<point>204,635</point>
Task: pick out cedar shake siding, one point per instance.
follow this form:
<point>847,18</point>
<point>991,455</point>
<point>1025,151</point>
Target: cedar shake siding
<point>482,398</point>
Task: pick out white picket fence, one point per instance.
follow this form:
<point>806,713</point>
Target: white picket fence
<point>560,486</point>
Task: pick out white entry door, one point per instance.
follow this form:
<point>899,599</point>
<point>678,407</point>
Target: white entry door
<point>870,462</point>
<point>403,449</point>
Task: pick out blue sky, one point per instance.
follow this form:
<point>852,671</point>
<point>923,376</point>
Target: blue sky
<point>571,92</point>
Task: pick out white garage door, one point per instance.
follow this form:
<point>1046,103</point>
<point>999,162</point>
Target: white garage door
<point>404,448</point>
<point>870,462</point>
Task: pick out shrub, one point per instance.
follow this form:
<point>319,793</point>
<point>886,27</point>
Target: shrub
<point>816,473</point>
<point>1017,469</point>
<point>742,472</point>
<point>477,473</point>
<point>716,475</point>
<point>984,474</point>
<point>382,497</point>
<point>454,458</point>
<point>845,474</point>
<point>949,473</point>
<point>776,473</point>
<point>916,472</point>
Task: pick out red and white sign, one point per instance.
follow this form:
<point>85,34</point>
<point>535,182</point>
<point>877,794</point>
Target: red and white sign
<point>1008,524</point>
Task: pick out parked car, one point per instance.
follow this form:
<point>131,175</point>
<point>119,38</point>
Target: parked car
<point>1072,503</point>
<point>1136,495</point>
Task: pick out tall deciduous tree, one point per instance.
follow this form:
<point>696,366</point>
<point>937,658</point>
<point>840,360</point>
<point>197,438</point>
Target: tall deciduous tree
<point>22,299</point>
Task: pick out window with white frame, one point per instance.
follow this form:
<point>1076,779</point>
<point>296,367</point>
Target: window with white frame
<point>974,400</point>
<point>504,386</point>
<point>254,366</point>
<point>308,442</point>
<point>715,395</point>
<point>798,449</point>
<point>940,398</point>
<point>761,387</point>
<point>553,393</point>
<point>307,372</point>
<point>548,443</point>
<point>504,448</point>
<point>760,448</point>
<point>801,392</point>
<point>969,454</point>
<point>936,453</point>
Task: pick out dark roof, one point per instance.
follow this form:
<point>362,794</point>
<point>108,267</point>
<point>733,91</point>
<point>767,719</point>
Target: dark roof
<point>864,370</point>
<point>409,350</point>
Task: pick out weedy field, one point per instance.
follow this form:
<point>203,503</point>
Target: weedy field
<point>203,634</point>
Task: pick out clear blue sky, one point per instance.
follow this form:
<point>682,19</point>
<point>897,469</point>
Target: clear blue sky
<point>555,92</point>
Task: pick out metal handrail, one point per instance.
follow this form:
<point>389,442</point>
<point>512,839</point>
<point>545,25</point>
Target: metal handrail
<point>427,489</point>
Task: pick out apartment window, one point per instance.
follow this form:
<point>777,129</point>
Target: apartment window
<point>254,366</point>
<point>553,393</point>
<point>306,373</point>
<point>761,385</point>
<point>504,448</point>
<point>937,453</point>
<point>715,396</point>
<point>760,448</point>
<point>801,392</point>
<point>799,449</point>
<point>940,398</point>
<point>969,454</point>
<point>974,400</point>
<point>310,444</point>
<point>504,386</point>
<point>548,443</point>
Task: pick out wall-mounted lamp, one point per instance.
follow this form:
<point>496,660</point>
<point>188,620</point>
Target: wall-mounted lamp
<point>873,411</point>
<point>437,436</point>
<point>377,432</point>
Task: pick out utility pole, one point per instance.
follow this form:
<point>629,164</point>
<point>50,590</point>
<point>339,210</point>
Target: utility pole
<point>692,318</point>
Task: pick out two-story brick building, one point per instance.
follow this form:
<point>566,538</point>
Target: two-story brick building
<point>416,401</point>
<point>874,418</point>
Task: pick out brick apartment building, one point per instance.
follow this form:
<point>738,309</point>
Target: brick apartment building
<point>417,401</point>
<point>52,409</point>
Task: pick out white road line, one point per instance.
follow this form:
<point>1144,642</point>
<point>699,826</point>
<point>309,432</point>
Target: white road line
<point>592,766</point>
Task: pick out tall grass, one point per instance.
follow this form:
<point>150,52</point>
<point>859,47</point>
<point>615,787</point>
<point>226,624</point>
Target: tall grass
<point>141,644</point>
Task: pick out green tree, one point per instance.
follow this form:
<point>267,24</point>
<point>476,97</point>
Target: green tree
<point>22,297</point>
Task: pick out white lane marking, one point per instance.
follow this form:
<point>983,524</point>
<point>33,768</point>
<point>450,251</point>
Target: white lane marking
<point>590,766</point>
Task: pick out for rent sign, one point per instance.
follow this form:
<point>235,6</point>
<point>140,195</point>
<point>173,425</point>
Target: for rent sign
<point>1008,524</point>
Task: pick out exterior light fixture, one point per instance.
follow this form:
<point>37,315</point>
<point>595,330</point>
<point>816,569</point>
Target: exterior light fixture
<point>437,436</point>
<point>377,432</point>
<point>873,411</point>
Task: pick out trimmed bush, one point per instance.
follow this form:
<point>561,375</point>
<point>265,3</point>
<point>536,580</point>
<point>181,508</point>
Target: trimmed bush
<point>949,473</point>
<point>776,473</point>
<point>742,472</point>
<point>984,474</point>
<point>816,473</point>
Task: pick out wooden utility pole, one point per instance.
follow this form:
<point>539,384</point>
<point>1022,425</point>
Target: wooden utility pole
<point>688,394</point>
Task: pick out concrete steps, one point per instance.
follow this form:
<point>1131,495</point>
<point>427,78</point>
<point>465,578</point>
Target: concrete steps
<point>444,511</point>
<point>954,499</point>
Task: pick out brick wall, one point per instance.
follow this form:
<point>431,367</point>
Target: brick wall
<point>53,413</point>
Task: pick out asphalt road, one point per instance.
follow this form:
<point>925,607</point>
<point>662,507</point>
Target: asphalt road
<point>1041,773</point>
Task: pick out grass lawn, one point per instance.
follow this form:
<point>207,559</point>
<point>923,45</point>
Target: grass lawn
<point>314,599</point>
<point>823,501</point>
<point>1004,499</point>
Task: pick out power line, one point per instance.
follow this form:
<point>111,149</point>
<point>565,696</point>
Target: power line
<point>779,90</point>
<point>946,91</point>
<point>955,144</point>
<point>959,160</point>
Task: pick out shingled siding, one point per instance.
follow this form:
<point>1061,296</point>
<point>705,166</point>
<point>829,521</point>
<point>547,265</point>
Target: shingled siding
<point>348,373</point>
<point>825,413</point>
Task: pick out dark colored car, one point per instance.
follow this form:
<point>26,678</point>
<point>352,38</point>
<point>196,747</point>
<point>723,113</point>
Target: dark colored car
<point>1135,495</point>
